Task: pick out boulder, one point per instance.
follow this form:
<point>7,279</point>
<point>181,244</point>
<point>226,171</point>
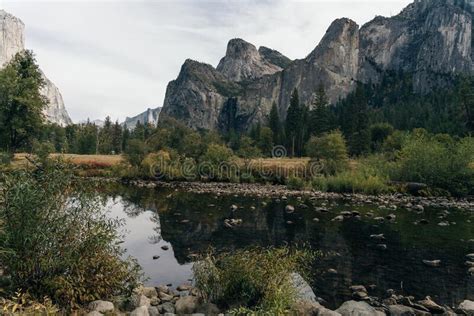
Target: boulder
<point>432,263</point>
<point>289,209</point>
<point>101,306</point>
<point>307,308</point>
<point>153,311</point>
<point>140,311</point>
<point>467,307</point>
<point>304,292</point>
<point>431,306</point>
<point>149,292</point>
<point>353,308</point>
<point>139,300</point>
<point>187,305</point>
<point>400,310</point>
<point>166,308</point>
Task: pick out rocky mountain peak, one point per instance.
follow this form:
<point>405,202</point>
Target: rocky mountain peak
<point>12,39</point>
<point>244,62</point>
<point>431,40</point>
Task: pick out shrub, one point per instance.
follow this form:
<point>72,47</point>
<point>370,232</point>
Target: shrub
<point>5,158</point>
<point>331,150</point>
<point>295,183</point>
<point>58,242</point>
<point>135,152</point>
<point>217,163</point>
<point>438,162</point>
<point>254,279</point>
<point>43,150</point>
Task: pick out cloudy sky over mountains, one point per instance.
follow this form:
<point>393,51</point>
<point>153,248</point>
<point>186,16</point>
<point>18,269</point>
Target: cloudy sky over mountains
<point>116,57</point>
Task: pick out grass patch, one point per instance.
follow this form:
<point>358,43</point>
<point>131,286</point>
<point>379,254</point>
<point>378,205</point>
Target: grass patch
<point>255,280</point>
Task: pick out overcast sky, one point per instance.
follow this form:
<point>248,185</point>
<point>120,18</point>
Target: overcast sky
<point>116,57</point>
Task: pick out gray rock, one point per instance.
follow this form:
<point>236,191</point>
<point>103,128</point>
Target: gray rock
<point>289,209</point>
<point>431,306</point>
<point>149,292</point>
<point>94,313</point>
<point>187,305</point>
<point>304,292</point>
<point>153,311</point>
<point>140,311</point>
<point>101,306</point>
<point>138,300</point>
<point>400,310</point>
<point>353,308</point>
<point>312,308</point>
<point>467,306</point>
<point>167,307</point>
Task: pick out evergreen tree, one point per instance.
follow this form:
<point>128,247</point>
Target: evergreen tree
<point>275,125</point>
<point>359,133</point>
<point>319,116</point>
<point>21,103</point>
<point>293,122</point>
<point>105,137</point>
<point>117,139</point>
<point>466,95</point>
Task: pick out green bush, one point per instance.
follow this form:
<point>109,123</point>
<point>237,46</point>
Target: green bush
<point>295,183</point>
<point>135,152</point>
<point>252,280</point>
<point>218,163</point>
<point>58,242</point>
<point>5,158</point>
<point>439,162</point>
<point>43,150</point>
<point>331,150</point>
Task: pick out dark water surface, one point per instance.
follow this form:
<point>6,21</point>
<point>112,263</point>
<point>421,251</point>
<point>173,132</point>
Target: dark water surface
<point>191,223</point>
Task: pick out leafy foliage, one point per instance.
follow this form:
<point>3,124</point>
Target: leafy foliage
<point>331,150</point>
<point>58,243</point>
<point>21,103</point>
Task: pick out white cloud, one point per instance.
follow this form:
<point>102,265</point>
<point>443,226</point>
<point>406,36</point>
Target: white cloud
<point>116,57</point>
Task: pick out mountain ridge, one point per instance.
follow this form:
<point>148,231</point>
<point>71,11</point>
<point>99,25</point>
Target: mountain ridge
<point>432,39</point>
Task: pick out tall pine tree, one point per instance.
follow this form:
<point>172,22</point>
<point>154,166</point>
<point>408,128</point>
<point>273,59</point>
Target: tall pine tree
<point>319,116</point>
<point>293,122</point>
<point>275,125</point>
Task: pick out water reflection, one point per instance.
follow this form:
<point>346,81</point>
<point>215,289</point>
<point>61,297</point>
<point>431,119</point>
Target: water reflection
<point>189,224</point>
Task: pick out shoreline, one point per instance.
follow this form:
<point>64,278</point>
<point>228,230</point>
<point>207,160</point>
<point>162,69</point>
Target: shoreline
<point>282,192</point>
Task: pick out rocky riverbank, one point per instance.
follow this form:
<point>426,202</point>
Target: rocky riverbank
<point>281,192</point>
<point>186,300</point>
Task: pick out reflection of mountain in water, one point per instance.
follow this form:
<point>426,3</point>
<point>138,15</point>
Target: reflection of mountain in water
<point>193,223</point>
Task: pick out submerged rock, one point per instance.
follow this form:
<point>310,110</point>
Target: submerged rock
<point>432,263</point>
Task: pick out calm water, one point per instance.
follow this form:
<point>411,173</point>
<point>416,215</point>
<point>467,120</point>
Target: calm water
<point>190,223</point>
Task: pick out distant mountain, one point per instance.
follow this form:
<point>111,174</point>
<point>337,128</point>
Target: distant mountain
<point>12,41</point>
<point>98,123</point>
<point>431,40</point>
<point>150,116</point>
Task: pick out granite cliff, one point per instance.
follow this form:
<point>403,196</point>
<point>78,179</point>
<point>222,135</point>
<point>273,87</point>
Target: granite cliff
<point>430,39</point>
<point>12,41</point>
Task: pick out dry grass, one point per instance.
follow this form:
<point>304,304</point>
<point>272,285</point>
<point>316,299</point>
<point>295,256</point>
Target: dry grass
<point>88,161</point>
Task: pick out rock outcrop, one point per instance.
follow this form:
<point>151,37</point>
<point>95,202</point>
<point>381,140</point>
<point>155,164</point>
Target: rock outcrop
<point>243,62</point>
<point>12,41</point>
<point>150,116</point>
<point>430,39</point>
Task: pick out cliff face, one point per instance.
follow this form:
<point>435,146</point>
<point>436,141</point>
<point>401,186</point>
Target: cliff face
<point>430,39</point>
<point>12,41</point>
<point>150,116</point>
